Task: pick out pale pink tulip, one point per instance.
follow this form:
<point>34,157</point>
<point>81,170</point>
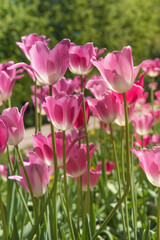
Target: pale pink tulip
<point>63,110</point>
<point>120,120</point>
<point>153,85</point>
<point>143,124</point>
<point>106,108</point>
<point>6,86</point>
<point>151,67</point>
<point>3,136</point>
<point>149,162</point>
<point>64,85</point>
<point>80,56</point>
<point>29,40</point>
<point>3,172</point>
<point>14,122</point>
<point>117,70</point>
<point>11,73</point>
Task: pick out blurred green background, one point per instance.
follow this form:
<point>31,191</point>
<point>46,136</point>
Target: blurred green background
<point>108,23</point>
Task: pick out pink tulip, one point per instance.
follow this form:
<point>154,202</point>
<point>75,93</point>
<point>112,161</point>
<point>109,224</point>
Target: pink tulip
<point>77,81</point>
<point>117,70</point>
<point>109,167</point>
<point>80,56</point>
<point>151,67</point>
<point>43,147</point>
<point>153,85</point>
<point>105,109</point>
<point>12,74</point>
<point>38,174</point>
<point>3,172</point>
<point>157,94</point>
<point>3,136</point>
<point>48,66</point>
<point>14,122</point>
<point>142,99</point>
<point>28,41</point>
<point>120,120</point>
<point>63,110</point>
<point>5,86</point>
<point>97,86</point>
<point>146,140</point>
<point>143,124</point>
<point>149,162</point>
<point>64,85</point>
<point>79,123</point>
<point>94,177</point>
<point>156,139</point>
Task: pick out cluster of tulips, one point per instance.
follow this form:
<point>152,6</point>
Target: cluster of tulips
<point>66,152</point>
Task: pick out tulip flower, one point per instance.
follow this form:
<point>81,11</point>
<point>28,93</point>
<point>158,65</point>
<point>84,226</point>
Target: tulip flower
<point>109,166</point>
<point>3,172</point>
<point>106,108</point>
<point>79,123</point>
<point>48,66</point>
<point>120,120</point>
<point>117,70</point>
<point>153,85</point>
<point>156,139</point>
<point>28,41</point>
<point>3,136</point>
<point>64,85</point>
<point>39,176</point>
<point>151,67</point>
<point>146,140</point>
<point>14,122</point>
<point>80,56</point>
<point>150,164</point>
<point>12,74</point>
<point>43,147</point>
<point>6,86</point>
<point>143,124</point>
<point>63,110</point>
<point>94,177</point>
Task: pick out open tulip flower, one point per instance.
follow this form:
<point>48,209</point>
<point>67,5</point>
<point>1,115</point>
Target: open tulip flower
<point>63,110</point>
<point>14,121</point>
<point>143,124</point>
<point>80,58</point>
<point>109,166</point>
<point>29,40</point>
<point>5,86</point>
<point>13,74</point>
<point>151,67</point>
<point>117,69</point>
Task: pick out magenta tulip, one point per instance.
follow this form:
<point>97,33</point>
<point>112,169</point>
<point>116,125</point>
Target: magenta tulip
<point>146,140</point>
<point>117,70</point>
<point>28,41</point>
<point>94,177</point>
<point>151,67</point>
<point>64,85</point>
<point>6,86</point>
<point>109,166</point>
<point>79,123</point>
<point>63,110</point>
<point>14,122</point>
<point>149,162</point>
<point>80,58</point>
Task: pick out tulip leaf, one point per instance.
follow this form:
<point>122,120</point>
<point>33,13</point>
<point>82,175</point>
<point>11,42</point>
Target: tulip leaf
<point>147,233</point>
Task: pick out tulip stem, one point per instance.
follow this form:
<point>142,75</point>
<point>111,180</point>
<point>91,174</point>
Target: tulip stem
<point>152,97</point>
<point>119,180</point>
<point>27,179</point>
<point>102,153</point>
<point>36,113</point>
<point>87,206</point>
<point>108,218</point>
<point>3,219</point>
<point>65,188</point>
<point>55,174</point>
<point>158,216</point>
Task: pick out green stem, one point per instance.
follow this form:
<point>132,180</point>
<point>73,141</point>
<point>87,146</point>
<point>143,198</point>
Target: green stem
<point>108,218</point>
<point>87,206</point>
<point>39,115</point>
<point>36,113</point>
<point>9,102</point>
<point>65,188</point>
<point>118,176</point>
<point>102,153</point>
<point>55,175</point>
<point>28,181</point>
<point>78,202</point>
<point>158,216</point>
<point>3,219</point>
